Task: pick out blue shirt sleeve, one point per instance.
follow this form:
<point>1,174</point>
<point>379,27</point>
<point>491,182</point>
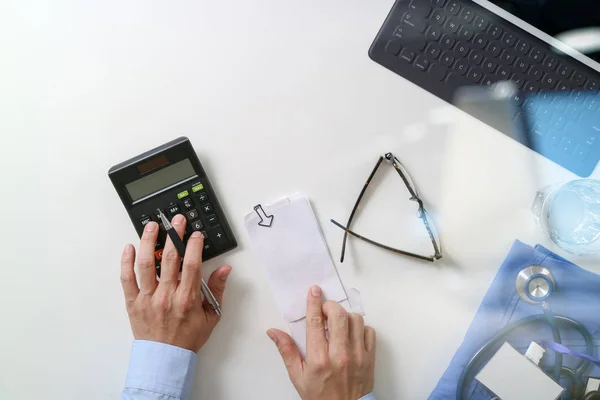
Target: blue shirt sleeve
<point>159,371</point>
<point>369,396</point>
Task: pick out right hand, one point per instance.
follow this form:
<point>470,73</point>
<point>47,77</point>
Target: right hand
<point>342,368</point>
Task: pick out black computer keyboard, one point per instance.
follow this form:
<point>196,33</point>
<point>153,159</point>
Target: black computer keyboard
<point>443,45</point>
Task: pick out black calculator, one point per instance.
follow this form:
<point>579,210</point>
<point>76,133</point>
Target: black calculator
<point>171,178</point>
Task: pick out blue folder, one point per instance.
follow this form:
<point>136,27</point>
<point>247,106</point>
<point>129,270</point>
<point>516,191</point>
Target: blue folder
<point>577,296</point>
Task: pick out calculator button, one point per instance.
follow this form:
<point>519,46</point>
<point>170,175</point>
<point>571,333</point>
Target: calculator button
<point>183,194</point>
<point>204,234</point>
<point>207,208</point>
<point>173,210</point>
<point>156,216</point>
<point>202,196</point>
<point>191,215</point>
<point>208,247</point>
<point>188,204</point>
<point>212,220</point>
<point>197,188</point>
<point>161,240</point>
<point>158,254</point>
<point>145,220</point>
<point>219,235</point>
<point>197,225</point>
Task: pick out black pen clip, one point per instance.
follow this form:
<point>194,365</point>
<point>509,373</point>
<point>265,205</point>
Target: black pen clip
<point>263,217</point>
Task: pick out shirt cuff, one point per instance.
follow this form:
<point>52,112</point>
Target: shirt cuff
<point>161,368</point>
<point>369,396</point>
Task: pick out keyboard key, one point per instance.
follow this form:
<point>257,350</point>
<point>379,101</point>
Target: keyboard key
<point>453,7</point>
<point>559,105</point>
<point>574,111</point>
<point>466,33</point>
<point>393,47</point>
<point>488,80</point>
<point>461,66</point>
<point>495,31</point>
<point>207,208</point>
<point>549,81</point>
<point>438,3</point>
<point>518,80</point>
<point>417,44</point>
<point>173,210</point>
<point>509,39</point>
<point>591,104</point>
<point>434,33</point>
<point>503,73</point>
<point>422,63</point>
<point>481,23</point>
<point>522,65</point>
<point>415,22</point>
<point>408,55</point>
<point>467,15</point>
<point>452,25</point>
<point>420,8</point>
<point>191,215</point>
<point>447,60</point>
<point>536,54</point>
<point>438,17</point>
<point>558,122</point>
<point>564,71</point>
<point>212,219</point>
<point>489,66</point>
<point>433,51</point>
<point>462,49</point>
<point>493,49</point>
<point>578,79</point>
<point>550,63</point>
<point>447,41</point>
<point>555,137</point>
<point>517,99</point>
<point>475,57</point>
<point>563,87</point>
<point>567,145</point>
<point>530,87</point>
<point>196,225</point>
<point>508,57</point>
<point>582,151</point>
<point>592,85</point>
<point>535,73</point>
<point>475,74</point>
<point>480,41</point>
<point>457,80</point>
<point>523,47</point>
<point>437,72</point>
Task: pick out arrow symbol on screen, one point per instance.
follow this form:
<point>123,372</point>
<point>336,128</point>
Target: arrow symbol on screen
<point>265,220</point>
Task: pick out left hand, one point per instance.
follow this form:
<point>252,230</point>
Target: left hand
<point>171,311</point>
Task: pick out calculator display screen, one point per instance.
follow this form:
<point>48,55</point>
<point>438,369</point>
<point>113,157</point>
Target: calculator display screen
<point>160,179</point>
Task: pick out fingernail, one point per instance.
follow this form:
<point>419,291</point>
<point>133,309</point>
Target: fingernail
<point>128,249</point>
<point>196,234</point>
<point>178,219</point>
<point>272,336</point>
<point>225,274</point>
<point>151,226</point>
<point>315,291</point>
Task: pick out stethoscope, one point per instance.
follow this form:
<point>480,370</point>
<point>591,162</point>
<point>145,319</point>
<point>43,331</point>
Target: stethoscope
<point>534,285</point>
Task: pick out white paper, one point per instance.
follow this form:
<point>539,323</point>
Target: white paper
<point>511,376</point>
<point>294,255</point>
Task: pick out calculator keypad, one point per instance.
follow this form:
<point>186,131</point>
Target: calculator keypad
<point>201,217</point>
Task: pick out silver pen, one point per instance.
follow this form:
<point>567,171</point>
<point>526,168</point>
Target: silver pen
<point>180,246</point>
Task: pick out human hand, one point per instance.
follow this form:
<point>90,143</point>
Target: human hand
<point>342,368</point>
<point>171,311</point>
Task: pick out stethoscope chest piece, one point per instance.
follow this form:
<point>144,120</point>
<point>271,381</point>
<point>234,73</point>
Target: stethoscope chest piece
<point>535,284</point>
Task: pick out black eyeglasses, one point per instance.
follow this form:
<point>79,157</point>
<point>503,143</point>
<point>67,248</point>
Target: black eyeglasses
<point>414,196</point>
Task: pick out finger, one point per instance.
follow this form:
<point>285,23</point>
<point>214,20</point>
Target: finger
<point>316,343</point>
<point>288,350</point>
<point>337,323</point>
<point>356,325</point>
<point>169,268</point>
<point>146,260</point>
<point>370,340</point>
<point>216,283</point>
<point>128,281</point>
<point>192,264</point>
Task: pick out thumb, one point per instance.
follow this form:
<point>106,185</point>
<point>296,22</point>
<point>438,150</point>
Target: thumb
<point>288,350</point>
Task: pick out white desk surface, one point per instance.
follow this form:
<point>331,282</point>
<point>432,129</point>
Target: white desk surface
<point>277,97</point>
